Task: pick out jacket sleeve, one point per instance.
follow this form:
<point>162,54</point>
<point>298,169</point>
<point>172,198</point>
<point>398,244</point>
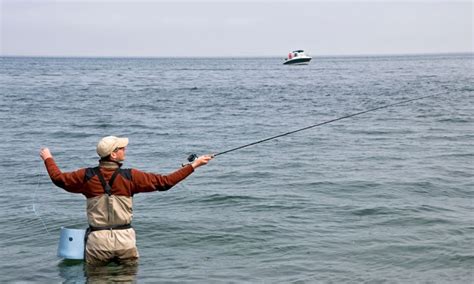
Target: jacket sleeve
<point>146,182</point>
<point>71,182</point>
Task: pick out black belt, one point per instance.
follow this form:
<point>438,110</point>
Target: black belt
<point>114,227</point>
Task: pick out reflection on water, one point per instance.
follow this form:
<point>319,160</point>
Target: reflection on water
<point>74,271</point>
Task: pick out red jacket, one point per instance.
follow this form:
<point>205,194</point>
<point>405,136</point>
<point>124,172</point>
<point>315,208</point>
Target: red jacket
<point>127,183</point>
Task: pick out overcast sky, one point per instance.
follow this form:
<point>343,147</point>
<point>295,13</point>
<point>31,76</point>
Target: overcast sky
<point>233,28</point>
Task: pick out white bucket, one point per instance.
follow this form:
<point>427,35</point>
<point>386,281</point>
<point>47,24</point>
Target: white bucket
<point>71,243</point>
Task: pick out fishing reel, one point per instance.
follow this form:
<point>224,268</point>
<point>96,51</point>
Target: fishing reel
<point>190,159</point>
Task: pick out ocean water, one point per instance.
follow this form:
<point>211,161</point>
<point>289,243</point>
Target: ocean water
<point>384,197</point>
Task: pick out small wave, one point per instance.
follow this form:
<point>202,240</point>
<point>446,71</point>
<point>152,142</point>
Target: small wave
<point>382,210</point>
<point>415,221</point>
<point>373,211</point>
<point>226,199</point>
<point>467,89</point>
<point>51,74</point>
<point>463,258</point>
<point>97,84</point>
<point>456,120</point>
<point>429,208</point>
<point>188,89</point>
<point>70,134</point>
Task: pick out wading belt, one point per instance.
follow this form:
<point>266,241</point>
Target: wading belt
<point>114,227</point>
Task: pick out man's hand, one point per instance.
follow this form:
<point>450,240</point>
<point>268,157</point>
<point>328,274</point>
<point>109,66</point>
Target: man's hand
<point>45,154</point>
<point>202,160</point>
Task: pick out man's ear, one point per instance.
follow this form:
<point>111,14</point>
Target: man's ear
<point>113,155</point>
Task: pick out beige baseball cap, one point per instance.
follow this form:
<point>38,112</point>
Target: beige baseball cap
<point>109,144</point>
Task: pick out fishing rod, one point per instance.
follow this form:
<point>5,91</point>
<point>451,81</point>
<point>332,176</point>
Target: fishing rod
<point>192,157</point>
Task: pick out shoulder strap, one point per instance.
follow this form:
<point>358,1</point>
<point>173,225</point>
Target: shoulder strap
<point>126,173</point>
<point>90,173</point>
<point>114,175</point>
<point>107,186</point>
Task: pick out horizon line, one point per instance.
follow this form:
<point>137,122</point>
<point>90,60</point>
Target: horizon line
<point>238,56</point>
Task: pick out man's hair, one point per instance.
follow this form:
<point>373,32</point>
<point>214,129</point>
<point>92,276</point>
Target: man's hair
<point>106,159</point>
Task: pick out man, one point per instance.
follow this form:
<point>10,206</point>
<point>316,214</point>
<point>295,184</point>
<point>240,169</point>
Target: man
<point>109,190</point>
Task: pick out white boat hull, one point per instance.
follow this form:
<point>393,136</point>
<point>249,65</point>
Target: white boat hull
<point>298,61</point>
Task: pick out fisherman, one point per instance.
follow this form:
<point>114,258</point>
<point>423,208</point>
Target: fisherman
<point>109,190</point>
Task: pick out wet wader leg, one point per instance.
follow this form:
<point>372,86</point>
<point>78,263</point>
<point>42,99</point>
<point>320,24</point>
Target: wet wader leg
<point>128,256</point>
<point>98,258</point>
<point>95,257</point>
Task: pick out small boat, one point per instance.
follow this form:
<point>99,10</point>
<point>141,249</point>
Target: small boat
<point>297,57</point>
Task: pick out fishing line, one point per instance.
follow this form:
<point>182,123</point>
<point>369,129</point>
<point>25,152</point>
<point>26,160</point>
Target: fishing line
<point>34,206</point>
<point>192,157</point>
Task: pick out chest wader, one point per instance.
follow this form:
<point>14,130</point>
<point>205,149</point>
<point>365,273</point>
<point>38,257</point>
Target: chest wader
<point>108,190</point>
